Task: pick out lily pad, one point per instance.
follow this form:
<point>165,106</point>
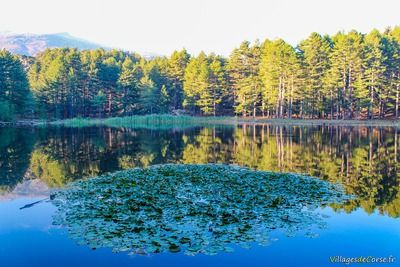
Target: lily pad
<point>190,208</point>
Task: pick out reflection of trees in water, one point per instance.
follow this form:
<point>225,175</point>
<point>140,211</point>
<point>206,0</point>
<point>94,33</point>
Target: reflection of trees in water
<point>364,159</point>
<point>210,145</point>
<point>68,154</point>
<point>15,147</point>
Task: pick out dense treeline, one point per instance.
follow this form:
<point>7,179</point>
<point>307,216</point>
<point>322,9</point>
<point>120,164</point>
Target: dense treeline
<point>15,97</point>
<point>345,76</point>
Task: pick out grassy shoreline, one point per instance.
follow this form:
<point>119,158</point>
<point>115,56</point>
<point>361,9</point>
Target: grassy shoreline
<point>148,121</point>
<point>167,121</point>
<point>316,122</point>
<point>170,120</point>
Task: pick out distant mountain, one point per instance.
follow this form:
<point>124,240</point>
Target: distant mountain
<point>32,44</point>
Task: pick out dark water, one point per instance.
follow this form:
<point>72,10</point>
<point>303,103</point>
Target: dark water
<point>365,160</point>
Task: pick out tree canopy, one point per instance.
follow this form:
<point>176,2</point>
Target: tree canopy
<point>15,97</point>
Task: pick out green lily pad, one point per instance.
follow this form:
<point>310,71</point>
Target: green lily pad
<point>191,208</point>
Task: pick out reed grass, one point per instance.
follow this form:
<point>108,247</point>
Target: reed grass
<point>171,121</point>
<point>148,121</point>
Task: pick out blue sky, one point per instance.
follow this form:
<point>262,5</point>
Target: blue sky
<point>161,26</point>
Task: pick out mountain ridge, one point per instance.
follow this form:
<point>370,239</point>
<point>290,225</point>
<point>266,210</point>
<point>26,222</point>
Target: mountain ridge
<point>32,44</point>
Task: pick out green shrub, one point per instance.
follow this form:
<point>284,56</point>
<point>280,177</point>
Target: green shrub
<point>6,111</point>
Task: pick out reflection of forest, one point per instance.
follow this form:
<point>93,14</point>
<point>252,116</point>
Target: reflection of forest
<point>364,159</point>
<point>15,148</point>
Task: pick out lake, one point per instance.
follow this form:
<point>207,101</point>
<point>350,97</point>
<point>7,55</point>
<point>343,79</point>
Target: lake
<point>364,160</point>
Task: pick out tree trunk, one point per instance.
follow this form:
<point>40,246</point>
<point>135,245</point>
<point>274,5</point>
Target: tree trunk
<point>397,101</point>
<point>331,117</point>
<point>278,103</point>
<point>351,104</point>
<point>282,99</point>
<point>214,104</point>
<point>109,103</point>
<point>291,99</point>
<point>338,105</point>
<point>301,109</point>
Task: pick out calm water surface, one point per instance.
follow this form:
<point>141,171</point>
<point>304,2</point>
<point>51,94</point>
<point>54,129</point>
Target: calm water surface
<point>365,160</point>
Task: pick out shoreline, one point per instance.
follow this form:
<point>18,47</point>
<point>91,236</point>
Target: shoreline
<point>24,123</point>
<point>322,122</point>
<point>192,120</point>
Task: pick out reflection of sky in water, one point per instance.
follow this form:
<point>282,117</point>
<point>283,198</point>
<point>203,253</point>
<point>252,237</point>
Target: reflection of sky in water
<point>365,159</point>
<point>36,243</point>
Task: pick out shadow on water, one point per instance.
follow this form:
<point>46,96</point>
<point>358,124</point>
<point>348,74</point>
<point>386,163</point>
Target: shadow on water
<point>364,159</point>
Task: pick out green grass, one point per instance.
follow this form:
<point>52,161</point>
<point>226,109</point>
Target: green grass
<point>170,121</point>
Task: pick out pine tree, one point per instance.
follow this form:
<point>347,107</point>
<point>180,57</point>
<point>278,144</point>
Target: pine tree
<point>150,96</point>
<point>346,64</point>
<point>392,63</point>
<point>279,70</point>
<point>314,52</point>
<point>243,69</point>
<point>217,83</point>
<point>98,103</point>
<point>176,71</point>
<point>14,89</point>
<point>108,74</point>
<point>374,72</point>
<point>129,87</point>
<point>205,84</point>
<point>164,100</point>
<point>196,83</point>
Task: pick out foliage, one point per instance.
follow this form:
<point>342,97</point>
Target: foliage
<point>344,76</point>
<point>6,111</point>
<point>205,84</point>
<point>14,90</point>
